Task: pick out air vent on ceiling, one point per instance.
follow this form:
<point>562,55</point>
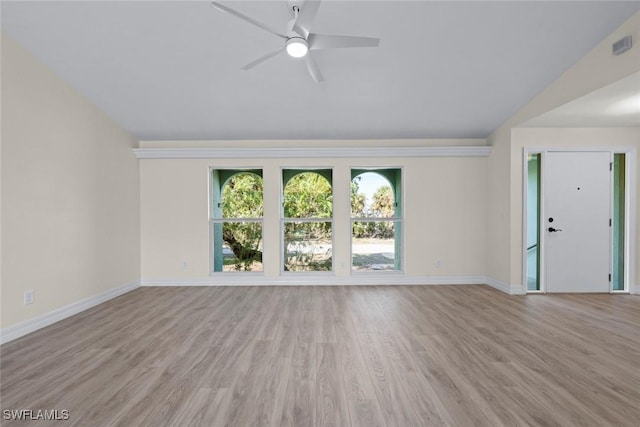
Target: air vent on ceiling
<point>621,46</point>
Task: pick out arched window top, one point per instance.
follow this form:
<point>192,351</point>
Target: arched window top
<point>374,193</point>
<point>242,195</point>
<point>307,194</point>
<point>287,174</point>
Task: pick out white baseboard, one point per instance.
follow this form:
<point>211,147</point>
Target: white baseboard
<point>23,328</point>
<point>637,292</point>
<point>504,287</point>
<point>317,280</point>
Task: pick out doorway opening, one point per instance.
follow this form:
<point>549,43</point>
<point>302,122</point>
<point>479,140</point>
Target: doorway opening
<point>555,261</point>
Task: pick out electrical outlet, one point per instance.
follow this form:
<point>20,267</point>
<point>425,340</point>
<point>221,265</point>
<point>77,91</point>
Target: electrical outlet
<point>28,297</point>
<point>438,263</point>
<point>184,265</point>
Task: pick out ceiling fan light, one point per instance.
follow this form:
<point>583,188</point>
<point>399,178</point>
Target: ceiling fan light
<point>297,47</point>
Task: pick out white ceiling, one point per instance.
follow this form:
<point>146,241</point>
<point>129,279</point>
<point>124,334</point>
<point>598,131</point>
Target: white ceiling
<point>171,70</point>
<point>617,104</point>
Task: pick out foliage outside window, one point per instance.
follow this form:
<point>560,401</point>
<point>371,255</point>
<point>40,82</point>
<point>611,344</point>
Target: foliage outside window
<point>376,220</point>
<point>236,220</point>
<point>307,220</point>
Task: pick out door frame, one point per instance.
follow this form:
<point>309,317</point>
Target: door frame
<point>630,212</point>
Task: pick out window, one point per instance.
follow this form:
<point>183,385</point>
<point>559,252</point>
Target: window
<point>533,221</point>
<point>376,220</point>
<point>307,224</point>
<point>619,192</point>
<point>236,220</point>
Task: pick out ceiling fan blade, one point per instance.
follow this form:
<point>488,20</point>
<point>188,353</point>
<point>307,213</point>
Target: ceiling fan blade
<point>262,59</point>
<point>322,41</point>
<point>244,17</point>
<point>306,15</point>
<point>316,75</point>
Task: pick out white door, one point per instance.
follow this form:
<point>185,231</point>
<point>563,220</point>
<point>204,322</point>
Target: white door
<point>575,224</point>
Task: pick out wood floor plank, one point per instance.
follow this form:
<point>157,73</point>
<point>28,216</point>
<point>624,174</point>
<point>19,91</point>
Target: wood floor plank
<point>270,404</point>
<point>366,413</point>
<point>333,356</point>
<point>389,392</point>
<point>299,405</point>
<point>357,381</point>
<point>331,399</point>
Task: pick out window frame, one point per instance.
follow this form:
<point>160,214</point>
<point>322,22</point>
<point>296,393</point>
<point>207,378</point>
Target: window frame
<point>212,220</point>
<point>398,258</point>
<point>283,220</point>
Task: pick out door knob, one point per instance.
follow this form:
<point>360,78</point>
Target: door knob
<point>553,230</point>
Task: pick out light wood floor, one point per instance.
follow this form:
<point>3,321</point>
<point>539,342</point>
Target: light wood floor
<point>335,356</point>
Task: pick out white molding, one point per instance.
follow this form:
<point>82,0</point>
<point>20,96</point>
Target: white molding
<point>318,280</point>
<point>497,284</point>
<point>23,328</point>
<point>517,290</point>
<point>300,152</point>
<point>504,287</point>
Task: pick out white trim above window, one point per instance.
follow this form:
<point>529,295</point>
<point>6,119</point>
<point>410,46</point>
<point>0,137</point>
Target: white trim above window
<point>324,152</point>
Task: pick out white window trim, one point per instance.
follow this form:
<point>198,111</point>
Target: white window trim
<point>213,221</point>
<point>400,271</point>
<point>281,258</point>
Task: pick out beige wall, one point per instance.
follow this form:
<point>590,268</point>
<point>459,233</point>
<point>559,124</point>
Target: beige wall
<point>70,193</point>
<point>445,206</point>
<point>498,208</point>
<point>597,69</point>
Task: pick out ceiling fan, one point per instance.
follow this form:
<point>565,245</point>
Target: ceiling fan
<point>299,41</point>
